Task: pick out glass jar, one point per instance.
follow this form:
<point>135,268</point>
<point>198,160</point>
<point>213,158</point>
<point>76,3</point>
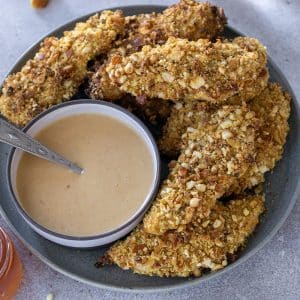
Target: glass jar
<point>11,270</point>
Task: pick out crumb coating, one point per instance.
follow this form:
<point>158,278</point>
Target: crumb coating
<point>213,156</point>
<point>204,244</point>
<point>58,68</point>
<point>186,19</point>
<point>193,70</point>
<point>272,108</point>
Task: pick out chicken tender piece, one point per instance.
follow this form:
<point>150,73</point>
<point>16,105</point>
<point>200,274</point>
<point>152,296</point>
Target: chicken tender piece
<point>59,67</point>
<point>187,19</point>
<point>192,20</point>
<point>182,116</point>
<point>200,70</point>
<point>185,114</point>
<point>139,31</point>
<point>272,108</point>
<point>204,244</point>
<point>213,156</point>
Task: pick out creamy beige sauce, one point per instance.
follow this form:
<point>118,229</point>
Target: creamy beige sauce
<point>118,174</point>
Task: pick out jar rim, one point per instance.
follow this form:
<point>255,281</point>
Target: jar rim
<point>6,253</point>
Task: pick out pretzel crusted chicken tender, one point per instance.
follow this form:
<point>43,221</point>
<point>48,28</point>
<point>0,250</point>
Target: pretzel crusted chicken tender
<point>57,70</point>
<point>192,20</point>
<point>272,108</point>
<point>213,156</point>
<point>187,19</point>
<point>182,116</point>
<point>204,244</point>
<point>201,70</point>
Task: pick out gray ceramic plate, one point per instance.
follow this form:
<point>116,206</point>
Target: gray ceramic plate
<point>281,192</point>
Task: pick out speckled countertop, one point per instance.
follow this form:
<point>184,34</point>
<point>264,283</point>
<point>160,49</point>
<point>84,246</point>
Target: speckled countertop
<point>274,272</point>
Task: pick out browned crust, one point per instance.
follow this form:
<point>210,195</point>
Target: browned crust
<point>59,67</point>
<point>204,244</point>
<point>214,155</point>
<point>182,116</point>
<point>187,70</point>
<point>186,19</point>
<point>272,108</point>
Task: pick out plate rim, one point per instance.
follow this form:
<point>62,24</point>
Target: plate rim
<point>188,283</point>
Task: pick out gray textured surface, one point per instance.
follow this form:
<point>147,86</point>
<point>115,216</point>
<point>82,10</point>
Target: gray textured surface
<point>274,273</point>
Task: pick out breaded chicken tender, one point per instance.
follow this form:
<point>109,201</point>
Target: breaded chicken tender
<point>214,155</point>
<point>187,70</point>
<point>187,19</point>
<point>192,20</point>
<point>187,113</point>
<point>59,67</point>
<point>182,116</point>
<point>204,244</point>
<point>272,108</point>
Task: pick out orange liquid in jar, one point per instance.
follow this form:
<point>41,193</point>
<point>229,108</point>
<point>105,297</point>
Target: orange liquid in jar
<point>11,270</point>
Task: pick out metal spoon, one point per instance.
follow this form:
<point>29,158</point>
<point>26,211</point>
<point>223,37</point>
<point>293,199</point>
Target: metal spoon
<point>13,136</point>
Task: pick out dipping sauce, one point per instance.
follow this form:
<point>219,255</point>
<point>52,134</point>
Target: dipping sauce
<point>118,175</point>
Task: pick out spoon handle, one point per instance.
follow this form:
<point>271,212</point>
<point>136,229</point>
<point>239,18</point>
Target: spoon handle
<point>13,136</point>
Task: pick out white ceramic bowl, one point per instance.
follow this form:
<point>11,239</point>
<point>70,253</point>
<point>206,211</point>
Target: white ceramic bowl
<point>72,108</point>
